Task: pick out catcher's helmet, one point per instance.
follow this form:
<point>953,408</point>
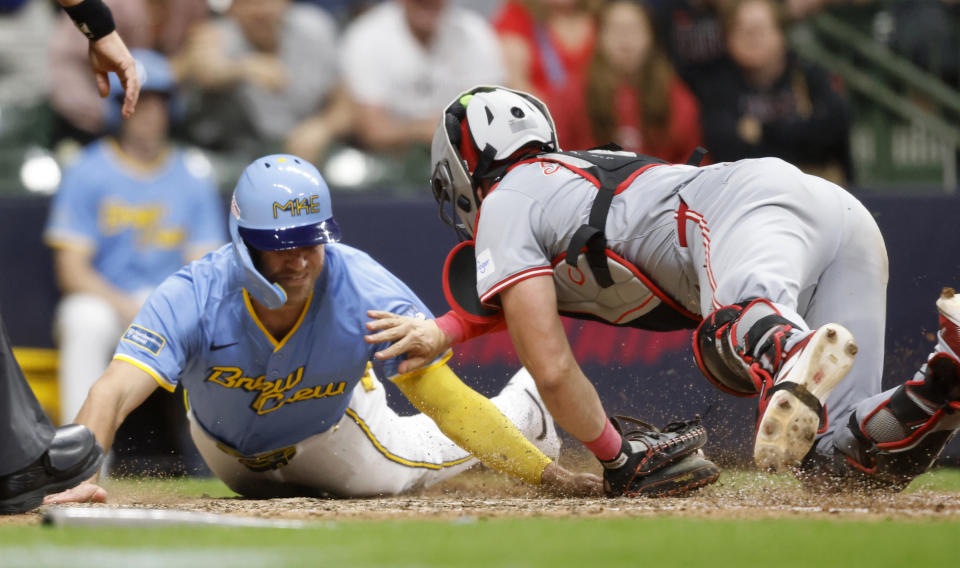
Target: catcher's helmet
<point>280,202</point>
<point>481,133</point>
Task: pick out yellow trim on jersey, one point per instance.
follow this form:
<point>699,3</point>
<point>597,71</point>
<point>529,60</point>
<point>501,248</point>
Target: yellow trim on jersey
<point>277,345</point>
<point>367,379</point>
<point>139,166</point>
<point>148,370</point>
<point>64,243</point>
<point>442,360</point>
<point>395,458</point>
<point>474,423</point>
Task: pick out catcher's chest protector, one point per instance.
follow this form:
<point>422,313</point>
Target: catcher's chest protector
<point>593,282</point>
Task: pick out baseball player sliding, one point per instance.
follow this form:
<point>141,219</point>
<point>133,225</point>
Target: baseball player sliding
<point>266,337</point>
<point>782,275</point>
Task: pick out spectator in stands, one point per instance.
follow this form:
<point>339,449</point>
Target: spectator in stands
<point>343,10</point>
<point>129,212</point>
<point>693,38</point>
<point>630,94</point>
<point>263,75</point>
<point>404,59</point>
<point>765,102</point>
<point>24,27</point>
<point>925,31</point>
<point>160,25</point>
<point>547,44</point>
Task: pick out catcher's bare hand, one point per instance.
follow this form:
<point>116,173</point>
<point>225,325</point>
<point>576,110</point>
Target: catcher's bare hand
<point>86,492</point>
<point>421,340</point>
<point>564,483</point>
<point>107,54</point>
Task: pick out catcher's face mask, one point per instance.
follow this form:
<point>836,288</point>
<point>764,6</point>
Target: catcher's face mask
<point>507,121</point>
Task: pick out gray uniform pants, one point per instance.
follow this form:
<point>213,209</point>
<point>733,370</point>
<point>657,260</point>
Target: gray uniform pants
<point>806,245</point>
<point>25,431</point>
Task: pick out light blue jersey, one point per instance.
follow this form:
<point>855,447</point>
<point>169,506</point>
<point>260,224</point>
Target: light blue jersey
<point>248,390</point>
<point>139,225</point>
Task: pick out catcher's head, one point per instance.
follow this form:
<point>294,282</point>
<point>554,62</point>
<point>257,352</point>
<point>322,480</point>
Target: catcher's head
<point>281,202</point>
<point>483,132</point>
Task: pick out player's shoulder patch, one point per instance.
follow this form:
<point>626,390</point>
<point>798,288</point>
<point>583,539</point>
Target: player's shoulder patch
<point>485,264</point>
<point>145,339</point>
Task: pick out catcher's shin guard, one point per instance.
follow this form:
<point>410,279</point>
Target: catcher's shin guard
<point>739,347</point>
<point>900,438</point>
<point>658,463</point>
<point>750,349</point>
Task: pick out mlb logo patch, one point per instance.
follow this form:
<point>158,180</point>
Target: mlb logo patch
<point>144,339</point>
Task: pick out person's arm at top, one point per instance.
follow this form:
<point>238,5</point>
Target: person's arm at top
<point>108,53</point>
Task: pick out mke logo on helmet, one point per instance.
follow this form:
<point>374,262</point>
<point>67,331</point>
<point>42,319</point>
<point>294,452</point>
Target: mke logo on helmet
<point>274,394</point>
<point>297,207</point>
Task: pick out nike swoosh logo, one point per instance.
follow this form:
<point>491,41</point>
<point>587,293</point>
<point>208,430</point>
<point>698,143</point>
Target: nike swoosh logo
<point>225,345</point>
<point>543,417</point>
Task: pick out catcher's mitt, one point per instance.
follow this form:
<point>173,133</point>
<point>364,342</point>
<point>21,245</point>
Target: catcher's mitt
<point>661,462</point>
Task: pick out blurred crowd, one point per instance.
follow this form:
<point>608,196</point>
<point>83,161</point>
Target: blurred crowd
<point>362,78</point>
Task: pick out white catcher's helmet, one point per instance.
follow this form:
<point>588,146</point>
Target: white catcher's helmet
<point>478,138</point>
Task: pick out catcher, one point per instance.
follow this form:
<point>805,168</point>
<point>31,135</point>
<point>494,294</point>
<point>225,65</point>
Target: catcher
<point>777,271</point>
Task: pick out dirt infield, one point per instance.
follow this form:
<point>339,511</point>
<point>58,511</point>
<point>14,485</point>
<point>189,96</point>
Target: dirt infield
<point>483,494</point>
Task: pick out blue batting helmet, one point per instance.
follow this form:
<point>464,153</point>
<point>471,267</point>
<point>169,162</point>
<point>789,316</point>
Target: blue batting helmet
<point>155,77</point>
<point>280,202</point>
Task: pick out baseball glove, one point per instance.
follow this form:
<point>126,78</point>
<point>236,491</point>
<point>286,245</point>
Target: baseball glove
<point>662,462</point>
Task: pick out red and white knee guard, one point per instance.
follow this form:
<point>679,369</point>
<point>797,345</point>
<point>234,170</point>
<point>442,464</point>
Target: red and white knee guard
<point>739,348</point>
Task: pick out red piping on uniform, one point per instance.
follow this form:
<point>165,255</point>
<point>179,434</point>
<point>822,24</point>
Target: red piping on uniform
<point>689,214</point>
<point>511,280</point>
<point>918,433</point>
<point>582,173</point>
<point>682,224</point>
<point>626,183</point>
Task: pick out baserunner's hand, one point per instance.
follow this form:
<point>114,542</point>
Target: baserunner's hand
<point>86,492</point>
<point>420,340</point>
<point>565,483</point>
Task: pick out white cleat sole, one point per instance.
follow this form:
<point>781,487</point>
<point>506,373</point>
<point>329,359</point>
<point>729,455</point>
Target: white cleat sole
<point>948,304</point>
<point>788,428</point>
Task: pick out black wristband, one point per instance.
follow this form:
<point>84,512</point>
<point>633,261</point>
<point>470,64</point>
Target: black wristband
<point>92,18</point>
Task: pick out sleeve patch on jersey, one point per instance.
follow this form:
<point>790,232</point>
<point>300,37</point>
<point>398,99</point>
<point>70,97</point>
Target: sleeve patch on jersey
<point>144,339</point>
<point>485,265</point>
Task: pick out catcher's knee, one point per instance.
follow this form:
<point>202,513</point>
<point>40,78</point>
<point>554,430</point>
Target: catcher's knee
<point>903,435</point>
<point>739,347</point>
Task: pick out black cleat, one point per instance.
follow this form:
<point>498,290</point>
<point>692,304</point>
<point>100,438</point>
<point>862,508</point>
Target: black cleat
<point>73,456</point>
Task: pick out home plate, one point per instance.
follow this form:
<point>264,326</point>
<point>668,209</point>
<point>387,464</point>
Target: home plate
<point>138,517</point>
